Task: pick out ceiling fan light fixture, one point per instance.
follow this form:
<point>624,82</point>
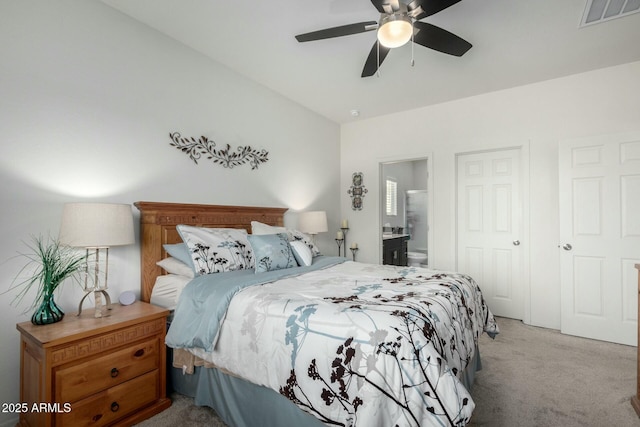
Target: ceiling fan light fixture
<point>395,30</point>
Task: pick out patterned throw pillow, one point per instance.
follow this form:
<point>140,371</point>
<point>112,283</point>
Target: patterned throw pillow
<point>272,252</point>
<point>216,250</point>
<point>296,235</point>
<point>293,235</point>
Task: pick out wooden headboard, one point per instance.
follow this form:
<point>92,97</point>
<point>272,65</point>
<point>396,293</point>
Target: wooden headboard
<point>158,226</point>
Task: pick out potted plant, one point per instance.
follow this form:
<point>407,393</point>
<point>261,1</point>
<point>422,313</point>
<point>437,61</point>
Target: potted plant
<point>49,266</point>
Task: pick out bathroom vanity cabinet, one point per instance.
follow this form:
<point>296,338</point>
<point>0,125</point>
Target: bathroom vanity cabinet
<point>394,249</point>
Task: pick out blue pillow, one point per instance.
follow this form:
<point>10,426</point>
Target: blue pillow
<point>271,252</point>
<point>179,251</point>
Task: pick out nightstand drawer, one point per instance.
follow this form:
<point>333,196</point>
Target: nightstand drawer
<point>110,405</point>
<point>81,380</point>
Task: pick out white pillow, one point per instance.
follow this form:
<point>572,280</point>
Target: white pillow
<point>301,252</point>
<point>261,228</point>
<point>174,266</point>
<point>167,290</point>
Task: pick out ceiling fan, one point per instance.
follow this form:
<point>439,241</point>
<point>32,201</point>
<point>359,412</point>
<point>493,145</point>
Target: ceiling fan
<point>399,23</point>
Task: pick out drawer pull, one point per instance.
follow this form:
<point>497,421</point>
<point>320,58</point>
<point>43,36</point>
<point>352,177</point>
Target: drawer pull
<point>115,407</point>
<point>95,418</point>
<point>114,372</point>
<point>139,353</point>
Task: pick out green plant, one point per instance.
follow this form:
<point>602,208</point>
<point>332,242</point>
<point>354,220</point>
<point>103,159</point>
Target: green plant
<point>52,263</point>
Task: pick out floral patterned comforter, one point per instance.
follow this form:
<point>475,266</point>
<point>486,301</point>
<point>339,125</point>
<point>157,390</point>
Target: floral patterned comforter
<point>357,344</point>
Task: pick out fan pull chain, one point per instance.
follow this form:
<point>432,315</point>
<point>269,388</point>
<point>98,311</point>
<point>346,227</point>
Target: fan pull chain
<point>412,43</point>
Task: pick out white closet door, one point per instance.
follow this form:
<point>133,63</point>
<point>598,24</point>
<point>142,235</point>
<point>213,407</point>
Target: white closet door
<point>599,182</point>
<point>489,227</point>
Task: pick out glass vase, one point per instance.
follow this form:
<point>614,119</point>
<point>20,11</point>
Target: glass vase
<point>48,311</point>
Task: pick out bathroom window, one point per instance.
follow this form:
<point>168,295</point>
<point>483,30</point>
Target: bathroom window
<point>392,197</point>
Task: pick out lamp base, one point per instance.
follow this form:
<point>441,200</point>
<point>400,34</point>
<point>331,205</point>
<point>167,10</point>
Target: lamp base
<point>97,296</point>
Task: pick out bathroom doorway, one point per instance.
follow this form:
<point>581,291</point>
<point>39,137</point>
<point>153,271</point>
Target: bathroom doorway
<point>406,210</point>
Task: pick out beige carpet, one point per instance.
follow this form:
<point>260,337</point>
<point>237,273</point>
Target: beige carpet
<point>531,377</point>
<point>538,377</point>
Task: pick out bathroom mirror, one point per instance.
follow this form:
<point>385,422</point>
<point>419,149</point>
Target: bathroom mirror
<point>405,212</point>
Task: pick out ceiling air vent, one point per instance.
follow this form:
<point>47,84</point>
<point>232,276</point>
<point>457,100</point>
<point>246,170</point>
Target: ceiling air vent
<point>605,10</point>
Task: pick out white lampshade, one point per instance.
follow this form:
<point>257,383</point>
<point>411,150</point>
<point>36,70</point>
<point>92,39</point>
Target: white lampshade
<point>395,30</point>
<point>96,225</point>
<point>313,222</point>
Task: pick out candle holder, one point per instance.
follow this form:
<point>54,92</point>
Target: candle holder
<point>345,230</point>
<point>339,242</point>
<point>353,253</point>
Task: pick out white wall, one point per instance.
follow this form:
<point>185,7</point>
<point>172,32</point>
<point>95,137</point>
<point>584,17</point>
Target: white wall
<point>88,98</point>
<point>605,101</point>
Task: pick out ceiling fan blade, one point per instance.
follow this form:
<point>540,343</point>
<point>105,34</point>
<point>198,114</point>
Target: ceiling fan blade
<point>344,30</point>
<point>374,60</point>
<point>436,38</point>
<point>386,6</point>
<point>425,8</point>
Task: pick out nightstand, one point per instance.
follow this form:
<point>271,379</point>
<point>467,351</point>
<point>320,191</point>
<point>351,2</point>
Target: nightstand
<point>94,371</point>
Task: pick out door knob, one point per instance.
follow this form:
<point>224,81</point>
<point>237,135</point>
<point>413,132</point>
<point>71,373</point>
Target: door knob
<point>516,243</point>
<point>567,246</point>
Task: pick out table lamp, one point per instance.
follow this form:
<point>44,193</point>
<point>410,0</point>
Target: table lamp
<point>312,223</point>
<point>96,227</point>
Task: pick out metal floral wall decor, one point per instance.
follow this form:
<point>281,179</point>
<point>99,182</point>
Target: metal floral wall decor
<point>356,191</point>
<point>203,146</point>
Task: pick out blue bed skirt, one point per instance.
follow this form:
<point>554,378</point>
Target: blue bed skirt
<point>240,403</point>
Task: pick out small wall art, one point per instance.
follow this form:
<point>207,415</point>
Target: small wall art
<point>228,158</point>
<point>357,191</point>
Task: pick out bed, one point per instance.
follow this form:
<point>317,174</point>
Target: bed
<point>334,342</point>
